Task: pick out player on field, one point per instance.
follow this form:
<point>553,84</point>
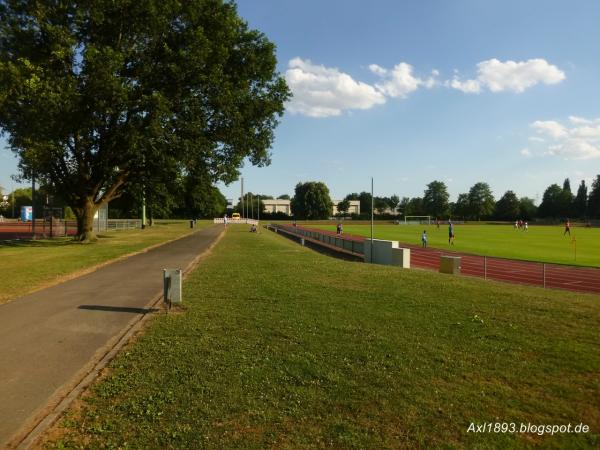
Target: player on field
<point>450,232</point>
<point>424,239</point>
<point>567,227</point>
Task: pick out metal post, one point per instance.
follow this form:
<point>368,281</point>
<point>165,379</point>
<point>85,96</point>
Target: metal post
<point>242,199</point>
<point>143,210</point>
<point>33,205</point>
<point>372,203</point>
<point>251,207</point>
<point>485,267</point>
<point>544,271</point>
<point>258,211</point>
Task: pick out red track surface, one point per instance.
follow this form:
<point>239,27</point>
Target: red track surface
<point>583,279</point>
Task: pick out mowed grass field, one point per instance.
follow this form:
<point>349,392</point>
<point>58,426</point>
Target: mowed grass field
<point>539,243</point>
<point>30,265</point>
<point>282,347</point>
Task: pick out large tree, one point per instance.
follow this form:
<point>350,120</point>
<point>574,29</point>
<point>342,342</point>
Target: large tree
<point>436,199</point>
<point>527,208</point>
<point>551,202</point>
<point>508,207</point>
<point>95,95</point>
<point>461,207</point>
<point>566,199</point>
<point>594,199</point>
<point>580,201</point>
<point>481,201</point>
<point>343,207</point>
<point>311,201</point>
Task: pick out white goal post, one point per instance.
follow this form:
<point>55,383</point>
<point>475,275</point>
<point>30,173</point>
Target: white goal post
<point>419,220</point>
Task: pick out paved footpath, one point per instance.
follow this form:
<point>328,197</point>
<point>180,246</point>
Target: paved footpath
<point>48,338</point>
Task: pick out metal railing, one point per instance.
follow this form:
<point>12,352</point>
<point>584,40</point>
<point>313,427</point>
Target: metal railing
<point>547,275</point>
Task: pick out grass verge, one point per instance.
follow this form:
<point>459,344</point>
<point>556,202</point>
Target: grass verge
<point>281,347</point>
<point>27,266</point>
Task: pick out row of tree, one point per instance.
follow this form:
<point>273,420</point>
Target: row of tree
<point>312,201</point>
<point>182,199</point>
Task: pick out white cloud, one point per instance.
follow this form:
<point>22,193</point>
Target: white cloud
<point>536,139</point>
<point>400,81</point>
<point>550,128</point>
<point>580,140</point>
<point>498,76</point>
<point>526,152</point>
<point>321,91</point>
<point>468,86</point>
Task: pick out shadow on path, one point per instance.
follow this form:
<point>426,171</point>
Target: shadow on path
<point>118,309</point>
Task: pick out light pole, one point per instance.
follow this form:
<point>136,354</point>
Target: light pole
<point>372,203</point>
<point>242,198</point>
<point>33,204</point>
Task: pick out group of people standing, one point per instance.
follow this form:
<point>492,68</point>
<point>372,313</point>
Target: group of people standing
<point>521,225</point>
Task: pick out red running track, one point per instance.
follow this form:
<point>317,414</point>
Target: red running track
<point>23,230</point>
<point>573,278</point>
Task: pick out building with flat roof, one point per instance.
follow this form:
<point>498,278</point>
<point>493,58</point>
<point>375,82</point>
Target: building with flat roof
<point>272,206</point>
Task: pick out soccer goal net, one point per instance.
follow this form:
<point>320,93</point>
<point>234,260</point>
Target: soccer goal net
<point>417,220</point>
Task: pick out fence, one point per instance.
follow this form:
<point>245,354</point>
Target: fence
<point>229,220</point>
<point>53,227</point>
<point>346,243</point>
<point>123,224</point>
<point>547,275</point>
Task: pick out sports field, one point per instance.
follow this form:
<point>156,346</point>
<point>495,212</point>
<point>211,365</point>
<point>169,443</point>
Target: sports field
<point>281,347</point>
<point>539,243</point>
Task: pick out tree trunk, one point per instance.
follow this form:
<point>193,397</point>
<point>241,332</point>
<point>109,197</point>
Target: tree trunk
<point>85,221</point>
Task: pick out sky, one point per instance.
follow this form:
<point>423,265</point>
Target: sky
<point>408,92</point>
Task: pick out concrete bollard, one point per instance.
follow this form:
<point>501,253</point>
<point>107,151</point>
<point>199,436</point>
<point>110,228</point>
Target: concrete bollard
<point>401,257</point>
<point>450,264</point>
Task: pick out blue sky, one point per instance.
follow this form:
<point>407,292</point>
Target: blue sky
<point>505,92</point>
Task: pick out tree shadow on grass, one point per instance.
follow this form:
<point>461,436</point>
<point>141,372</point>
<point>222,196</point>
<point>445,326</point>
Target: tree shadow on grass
<point>56,242</point>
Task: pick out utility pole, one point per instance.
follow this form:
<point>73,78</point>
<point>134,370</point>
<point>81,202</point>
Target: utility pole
<point>258,210</point>
<point>242,198</point>
<point>33,204</point>
<point>372,203</point>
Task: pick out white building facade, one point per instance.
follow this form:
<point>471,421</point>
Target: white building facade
<point>272,206</point>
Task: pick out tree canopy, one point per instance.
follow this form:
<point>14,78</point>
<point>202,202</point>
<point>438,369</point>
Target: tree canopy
<point>552,203</point>
<point>96,96</point>
<point>508,207</point>
<point>481,201</point>
<point>594,199</point>
<point>436,199</point>
<point>311,201</point>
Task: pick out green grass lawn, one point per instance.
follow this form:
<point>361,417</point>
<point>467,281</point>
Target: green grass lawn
<point>29,265</point>
<point>282,347</point>
<point>540,243</point>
